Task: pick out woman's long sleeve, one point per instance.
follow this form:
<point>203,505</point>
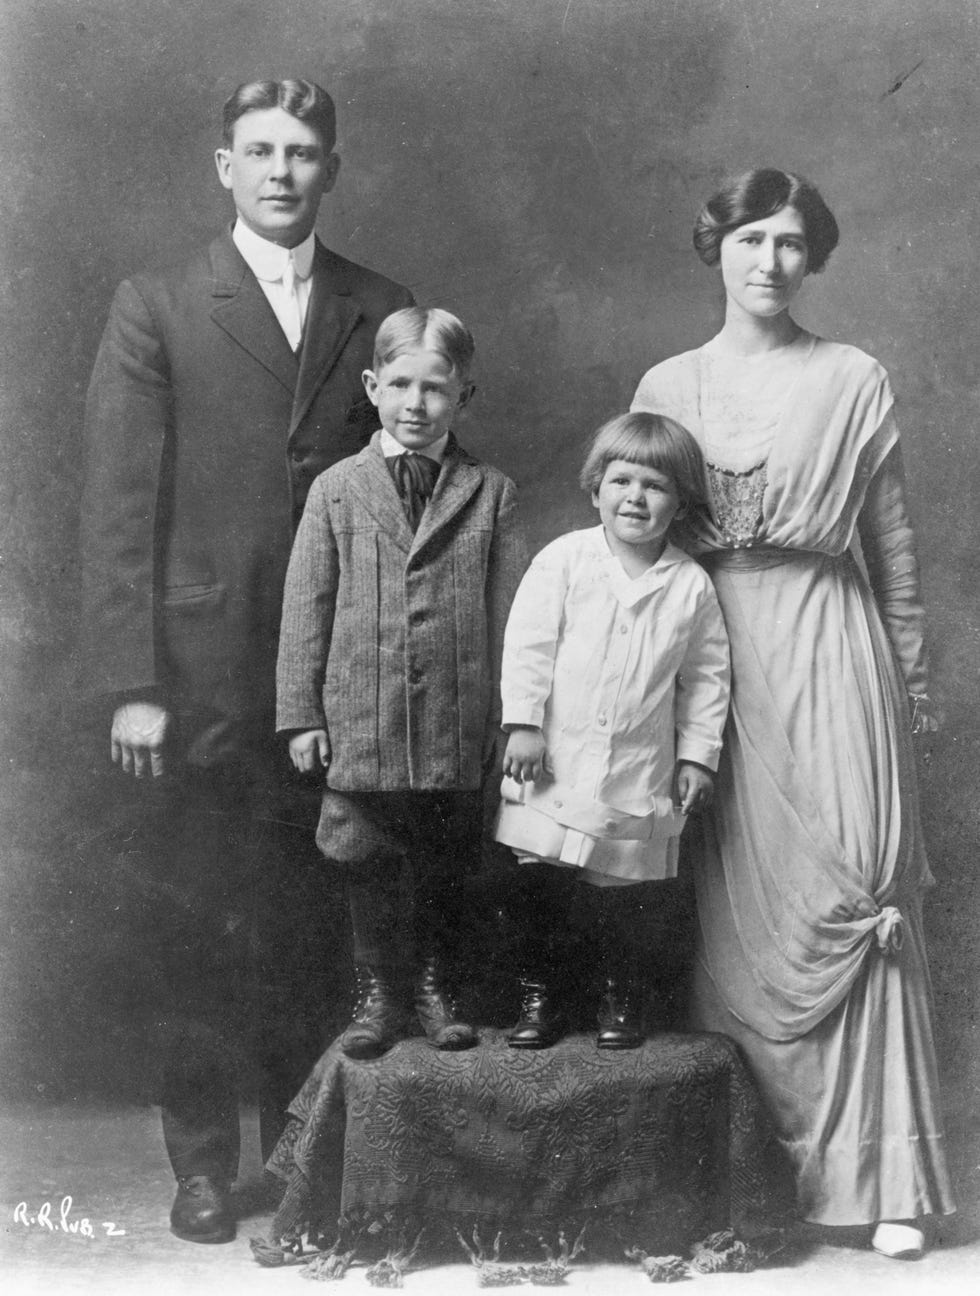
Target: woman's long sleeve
<point>888,546</point>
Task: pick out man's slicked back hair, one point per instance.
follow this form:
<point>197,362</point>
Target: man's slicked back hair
<point>304,100</point>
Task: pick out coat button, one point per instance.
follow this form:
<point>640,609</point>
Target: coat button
<point>623,629</point>
<point>415,675</point>
<point>602,719</point>
<point>417,617</point>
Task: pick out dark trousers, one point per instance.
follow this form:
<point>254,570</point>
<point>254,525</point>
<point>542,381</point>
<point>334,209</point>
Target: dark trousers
<point>405,857</point>
<point>247,930</point>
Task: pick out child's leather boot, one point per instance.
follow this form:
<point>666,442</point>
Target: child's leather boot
<point>437,1011</point>
<point>379,1015</point>
<point>619,1017</point>
<point>540,1023</point>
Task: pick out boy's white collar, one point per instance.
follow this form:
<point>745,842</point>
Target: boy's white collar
<point>390,447</point>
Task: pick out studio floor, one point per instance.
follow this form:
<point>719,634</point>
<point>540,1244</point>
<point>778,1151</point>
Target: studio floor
<point>111,1164</point>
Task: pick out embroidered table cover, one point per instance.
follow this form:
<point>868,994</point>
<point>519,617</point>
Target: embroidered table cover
<point>655,1147</point>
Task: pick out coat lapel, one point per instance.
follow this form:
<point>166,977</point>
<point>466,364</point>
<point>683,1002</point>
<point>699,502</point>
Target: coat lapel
<point>330,319</point>
<point>376,491</point>
<point>459,480</point>
<point>239,306</point>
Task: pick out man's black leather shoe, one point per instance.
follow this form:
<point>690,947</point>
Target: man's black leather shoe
<point>202,1210</point>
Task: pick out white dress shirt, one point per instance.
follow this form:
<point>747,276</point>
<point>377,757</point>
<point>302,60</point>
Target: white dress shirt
<point>268,262</point>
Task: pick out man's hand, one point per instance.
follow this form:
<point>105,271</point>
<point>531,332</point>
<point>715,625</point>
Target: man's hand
<point>525,756</point>
<point>138,732</point>
<point>693,786</point>
<point>310,750</point>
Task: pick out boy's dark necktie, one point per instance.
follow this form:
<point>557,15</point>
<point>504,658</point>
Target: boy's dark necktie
<point>415,476</point>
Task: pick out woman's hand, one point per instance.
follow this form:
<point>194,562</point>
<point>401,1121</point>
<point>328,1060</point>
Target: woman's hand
<point>310,750</point>
<point>525,756</point>
<point>693,787</point>
<point>925,714</point>
<point>926,721</point>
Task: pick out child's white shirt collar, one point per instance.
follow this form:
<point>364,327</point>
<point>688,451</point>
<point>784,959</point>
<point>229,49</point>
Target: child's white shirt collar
<point>390,447</point>
<point>629,590</point>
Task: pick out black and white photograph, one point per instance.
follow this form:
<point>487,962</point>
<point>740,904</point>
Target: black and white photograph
<point>490,646</point>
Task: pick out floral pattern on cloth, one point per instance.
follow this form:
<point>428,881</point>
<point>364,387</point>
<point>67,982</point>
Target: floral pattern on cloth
<point>655,1147</point>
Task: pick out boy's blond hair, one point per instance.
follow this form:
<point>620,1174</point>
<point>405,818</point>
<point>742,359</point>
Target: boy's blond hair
<point>435,329</point>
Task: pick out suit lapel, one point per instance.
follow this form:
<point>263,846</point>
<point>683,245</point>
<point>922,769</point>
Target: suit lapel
<point>330,319</point>
<point>376,491</point>
<point>240,307</point>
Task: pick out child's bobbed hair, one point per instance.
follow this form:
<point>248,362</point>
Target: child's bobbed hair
<point>654,441</point>
<point>432,328</point>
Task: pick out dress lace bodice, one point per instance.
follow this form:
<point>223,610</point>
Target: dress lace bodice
<point>743,400</point>
<point>736,498</point>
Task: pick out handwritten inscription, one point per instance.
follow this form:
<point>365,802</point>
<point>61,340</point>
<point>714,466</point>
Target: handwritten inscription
<point>57,1219</point>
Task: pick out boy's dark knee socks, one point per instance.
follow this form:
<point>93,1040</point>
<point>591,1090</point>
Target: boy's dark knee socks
<point>377,921</point>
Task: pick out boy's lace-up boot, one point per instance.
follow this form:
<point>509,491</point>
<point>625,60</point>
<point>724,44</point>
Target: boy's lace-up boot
<point>437,1011</point>
<point>620,1015</point>
<point>619,1018</point>
<point>540,1023</point>
<point>379,1015</point>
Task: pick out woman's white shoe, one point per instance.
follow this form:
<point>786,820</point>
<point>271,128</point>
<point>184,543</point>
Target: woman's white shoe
<point>899,1241</point>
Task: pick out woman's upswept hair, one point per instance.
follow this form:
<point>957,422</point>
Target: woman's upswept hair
<point>435,329</point>
<point>304,100</point>
<point>653,441</point>
<point>754,196</point>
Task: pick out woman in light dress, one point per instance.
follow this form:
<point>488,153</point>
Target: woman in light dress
<point>810,883</point>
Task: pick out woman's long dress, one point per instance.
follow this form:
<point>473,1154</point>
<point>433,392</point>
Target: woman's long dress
<point>809,887</point>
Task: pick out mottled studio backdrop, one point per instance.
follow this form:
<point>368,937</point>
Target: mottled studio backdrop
<point>534,166</point>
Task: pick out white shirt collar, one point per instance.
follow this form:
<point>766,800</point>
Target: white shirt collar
<point>266,260</point>
<point>630,589</point>
<point>390,447</point>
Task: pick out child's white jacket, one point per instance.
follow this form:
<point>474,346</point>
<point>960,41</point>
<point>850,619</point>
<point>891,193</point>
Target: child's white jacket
<point>624,675</point>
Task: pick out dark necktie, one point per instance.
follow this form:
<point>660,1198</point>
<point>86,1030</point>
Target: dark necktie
<point>415,476</point>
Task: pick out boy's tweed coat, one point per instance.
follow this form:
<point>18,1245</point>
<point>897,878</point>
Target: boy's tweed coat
<point>392,641</point>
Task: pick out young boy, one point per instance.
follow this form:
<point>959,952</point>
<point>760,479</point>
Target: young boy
<point>396,598</point>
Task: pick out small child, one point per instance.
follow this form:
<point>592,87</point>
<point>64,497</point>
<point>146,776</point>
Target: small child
<point>615,690</point>
<point>396,597</point>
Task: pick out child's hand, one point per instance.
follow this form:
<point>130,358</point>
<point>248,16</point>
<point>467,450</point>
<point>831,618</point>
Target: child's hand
<point>310,750</point>
<point>693,787</point>
<point>524,757</point>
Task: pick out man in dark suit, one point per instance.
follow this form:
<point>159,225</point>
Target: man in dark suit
<point>220,390</point>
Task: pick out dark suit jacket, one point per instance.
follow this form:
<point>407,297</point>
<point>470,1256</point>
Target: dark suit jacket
<point>391,641</point>
<point>203,434</point>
